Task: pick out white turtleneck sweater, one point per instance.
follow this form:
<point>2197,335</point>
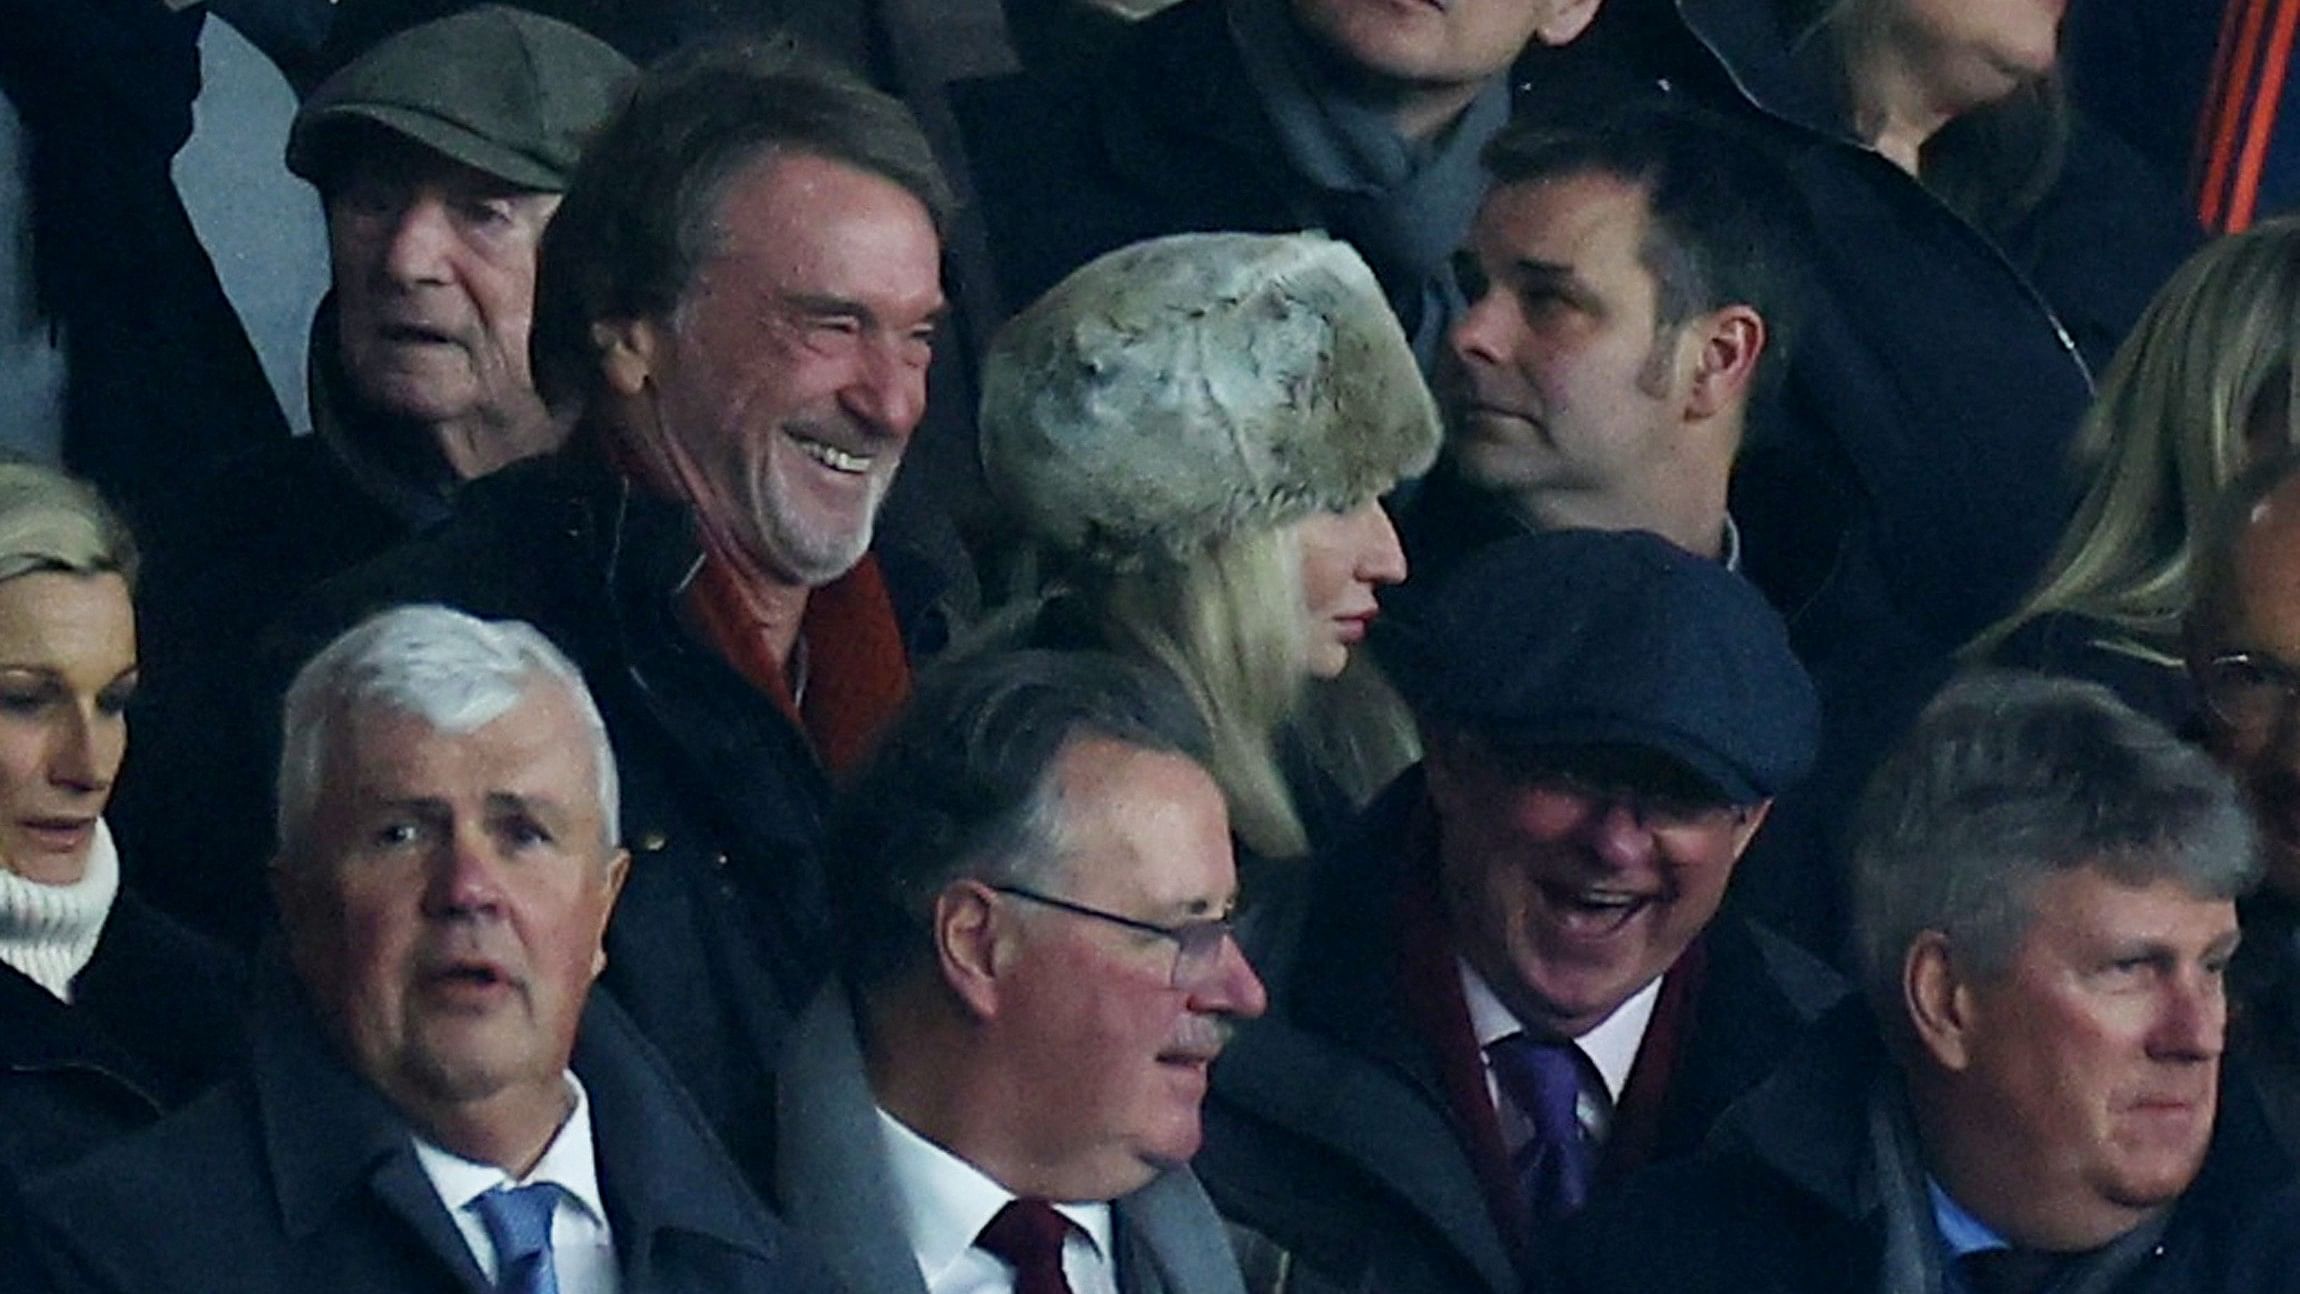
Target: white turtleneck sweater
<point>48,932</point>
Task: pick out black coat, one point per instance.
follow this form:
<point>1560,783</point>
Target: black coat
<point>1785,1199</point>
<point>262,532</point>
<point>299,1176</point>
<point>1911,480</point>
<point>1165,135</point>
<point>1328,1132</point>
<point>155,1019</point>
<point>722,930</point>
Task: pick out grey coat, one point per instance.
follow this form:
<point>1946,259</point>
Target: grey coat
<point>833,1185</point>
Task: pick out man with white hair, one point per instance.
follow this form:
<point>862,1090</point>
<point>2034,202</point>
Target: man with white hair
<point>436,1101</point>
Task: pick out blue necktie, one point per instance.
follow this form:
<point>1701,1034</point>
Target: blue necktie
<point>1542,1078</point>
<point>519,1222</point>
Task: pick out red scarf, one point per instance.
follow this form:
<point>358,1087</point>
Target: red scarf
<point>857,672</point>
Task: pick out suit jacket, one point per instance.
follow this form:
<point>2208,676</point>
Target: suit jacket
<point>834,1186</point>
<point>1335,1139</point>
<point>1808,1188</point>
<point>299,1176</point>
<point>722,931</point>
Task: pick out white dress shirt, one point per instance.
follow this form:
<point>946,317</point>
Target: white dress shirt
<point>946,1203</point>
<point>582,1248</point>
<point>1611,1049</point>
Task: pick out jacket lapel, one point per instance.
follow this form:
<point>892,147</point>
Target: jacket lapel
<point>831,1178</point>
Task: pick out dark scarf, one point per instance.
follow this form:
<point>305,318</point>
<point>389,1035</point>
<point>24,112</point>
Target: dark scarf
<point>1405,206</point>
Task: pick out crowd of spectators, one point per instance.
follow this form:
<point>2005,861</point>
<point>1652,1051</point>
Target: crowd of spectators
<point>1526,645</point>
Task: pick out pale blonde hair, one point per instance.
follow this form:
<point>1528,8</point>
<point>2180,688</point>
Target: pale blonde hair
<point>53,522</point>
<point>1226,621</point>
<point>2203,386</point>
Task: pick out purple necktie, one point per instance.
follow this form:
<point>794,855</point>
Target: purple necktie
<point>1542,1078</point>
<point>1028,1234</point>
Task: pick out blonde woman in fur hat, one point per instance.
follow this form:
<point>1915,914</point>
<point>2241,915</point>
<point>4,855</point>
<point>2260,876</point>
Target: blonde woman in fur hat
<point>109,1013</point>
<point>1194,434</point>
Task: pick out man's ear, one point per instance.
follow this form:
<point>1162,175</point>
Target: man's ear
<point>1746,830</point>
<point>1567,19</point>
<point>618,868</point>
<point>1732,343</point>
<point>628,350</point>
<point>969,945</point>
<point>1938,1001</point>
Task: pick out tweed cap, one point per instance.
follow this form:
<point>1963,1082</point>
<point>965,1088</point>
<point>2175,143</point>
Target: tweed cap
<point>1608,638</point>
<point>502,90</point>
<point>1184,388</point>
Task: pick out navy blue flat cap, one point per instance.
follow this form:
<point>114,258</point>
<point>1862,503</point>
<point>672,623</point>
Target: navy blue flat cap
<point>1614,638</point>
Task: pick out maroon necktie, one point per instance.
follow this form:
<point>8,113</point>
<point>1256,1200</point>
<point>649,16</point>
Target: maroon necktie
<point>1028,1234</point>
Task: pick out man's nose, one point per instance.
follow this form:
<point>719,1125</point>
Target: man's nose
<point>1616,832</point>
<point>1235,990</point>
<point>418,240</point>
<point>465,877</point>
<point>1475,336</point>
<point>887,390</point>
<point>2192,1019</point>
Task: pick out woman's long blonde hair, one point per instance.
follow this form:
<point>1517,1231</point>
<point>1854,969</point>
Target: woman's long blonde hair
<point>1228,621</point>
<point>2203,386</point>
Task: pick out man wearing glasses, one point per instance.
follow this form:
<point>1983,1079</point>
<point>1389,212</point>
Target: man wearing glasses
<point>1034,882</point>
<point>2243,634</point>
<point>1508,989</point>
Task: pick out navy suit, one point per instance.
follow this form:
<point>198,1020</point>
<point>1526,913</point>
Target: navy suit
<point>300,1177</point>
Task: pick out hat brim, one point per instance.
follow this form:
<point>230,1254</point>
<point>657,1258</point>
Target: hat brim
<point>1731,782</point>
<point>314,139</point>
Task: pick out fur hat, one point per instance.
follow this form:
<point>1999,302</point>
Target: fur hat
<point>1180,389</point>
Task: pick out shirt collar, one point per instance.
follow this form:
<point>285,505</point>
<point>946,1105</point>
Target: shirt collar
<point>1961,1232</point>
<point>947,1201</point>
<point>568,1163</point>
<point>1611,1046</point>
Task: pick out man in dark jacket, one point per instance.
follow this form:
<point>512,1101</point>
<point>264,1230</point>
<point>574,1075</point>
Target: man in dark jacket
<point>2045,884</point>
<point>1508,990</point>
<point>1359,117</point>
<point>440,156</point>
<point>436,1103</point>
<point>739,293</point>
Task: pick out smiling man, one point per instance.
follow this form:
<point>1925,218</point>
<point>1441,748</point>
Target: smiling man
<point>1514,968</point>
<point>436,1101</point>
<point>738,294</point>
<point>2033,1100</point>
<point>1002,1093</point>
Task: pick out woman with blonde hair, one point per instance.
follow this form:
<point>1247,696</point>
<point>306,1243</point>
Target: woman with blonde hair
<point>110,1014</point>
<point>2203,388</point>
<point>1193,434</point>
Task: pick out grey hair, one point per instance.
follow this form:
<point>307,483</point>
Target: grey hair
<point>2008,778</point>
<point>964,785</point>
<point>454,671</point>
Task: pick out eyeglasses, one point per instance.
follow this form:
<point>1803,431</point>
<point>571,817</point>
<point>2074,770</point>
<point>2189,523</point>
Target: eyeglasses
<point>2248,690</point>
<point>1197,944</point>
<point>1660,812</point>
